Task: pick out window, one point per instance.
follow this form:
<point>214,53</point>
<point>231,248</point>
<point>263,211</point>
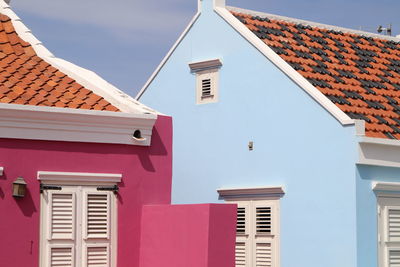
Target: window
<point>388,223</point>
<point>78,222</point>
<point>207,76</point>
<point>389,231</point>
<point>257,226</point>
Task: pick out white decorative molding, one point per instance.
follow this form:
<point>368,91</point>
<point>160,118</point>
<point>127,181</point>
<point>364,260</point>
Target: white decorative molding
<point>378,152</point>
<point>384,186</point>
<point>302,82</point>
<point>78,177</point>
<point>165,59</point>
<point>251,193</point>
<point>85,77</point>
<point>75,125</point>
<point>1,171</point>
<point>204,65</point>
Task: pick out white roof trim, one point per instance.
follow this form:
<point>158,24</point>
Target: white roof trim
<point>52,177</point>
<point>74,125</point>
<point>336,112</point>
<point>85,77</point>
<point>1,171</point>
<point>165,59</point>
<point>251,192</point>
<point>384,186</point>
<point>313,24</point>
<point>378,152</point>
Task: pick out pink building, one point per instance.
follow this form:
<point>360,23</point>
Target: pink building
<point>90,158</point>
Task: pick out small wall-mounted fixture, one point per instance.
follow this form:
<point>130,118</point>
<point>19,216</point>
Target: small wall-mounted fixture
<point>19,187</point>
<point>137,135</point>
<point>250,145</point>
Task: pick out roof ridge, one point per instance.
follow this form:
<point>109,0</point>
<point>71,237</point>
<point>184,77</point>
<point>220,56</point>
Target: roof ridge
<point>88,79</point>
<point>312,23</point>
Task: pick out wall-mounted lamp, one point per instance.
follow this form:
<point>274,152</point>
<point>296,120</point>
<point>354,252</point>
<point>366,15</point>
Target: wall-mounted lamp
<point>251,145</point>
<point>19,187</point>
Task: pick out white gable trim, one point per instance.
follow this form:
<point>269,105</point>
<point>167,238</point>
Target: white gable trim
<point>85,77</point>
<point>75,125</point>
<point>378,152</point>
<point>78,177</point>
<point>165,59</point>
<point>284,66</point>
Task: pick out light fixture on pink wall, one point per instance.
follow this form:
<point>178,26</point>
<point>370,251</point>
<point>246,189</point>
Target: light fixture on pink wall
<point>19,187</point>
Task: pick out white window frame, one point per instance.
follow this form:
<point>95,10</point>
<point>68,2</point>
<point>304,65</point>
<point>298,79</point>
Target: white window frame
<point>388,196</point>
<point>250,199</point>
<point>79,180</point>
<point>206,70</point>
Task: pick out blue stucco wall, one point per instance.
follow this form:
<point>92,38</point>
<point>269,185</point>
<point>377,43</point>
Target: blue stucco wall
<point>297,144</point>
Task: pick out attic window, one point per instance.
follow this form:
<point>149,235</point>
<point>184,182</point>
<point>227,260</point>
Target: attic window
<point>206,80</point>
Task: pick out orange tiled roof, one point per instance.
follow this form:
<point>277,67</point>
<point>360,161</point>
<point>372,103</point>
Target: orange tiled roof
<point>359,74</point>
<point>27,79</point>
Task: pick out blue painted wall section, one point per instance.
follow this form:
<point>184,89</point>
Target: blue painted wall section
<point>297,143</point>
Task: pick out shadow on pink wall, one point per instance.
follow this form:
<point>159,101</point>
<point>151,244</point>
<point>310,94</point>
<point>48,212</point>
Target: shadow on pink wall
<point>200,235</point>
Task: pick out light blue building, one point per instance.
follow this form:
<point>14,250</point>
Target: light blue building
<point>296,123</point>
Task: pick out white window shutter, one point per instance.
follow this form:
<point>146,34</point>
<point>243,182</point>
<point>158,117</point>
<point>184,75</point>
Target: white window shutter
<point>263,255</point>
<point>242,235</point>
<point>97,215</point>
<point>62,216</point>
<point>263,220</point>
<point>61,256</point>
<point>97,255</point>
<point>393,226</point>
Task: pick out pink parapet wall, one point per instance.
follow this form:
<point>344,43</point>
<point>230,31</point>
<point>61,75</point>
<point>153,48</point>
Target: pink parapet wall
<point>201,235</point>
<point>146,179</point>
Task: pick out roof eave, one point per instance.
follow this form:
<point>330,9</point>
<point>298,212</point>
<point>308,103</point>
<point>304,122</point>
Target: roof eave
<point>74,125</point>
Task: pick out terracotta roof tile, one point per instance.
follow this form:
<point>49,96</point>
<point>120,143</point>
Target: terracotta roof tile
<point>359,74</point>
<point>26,79</point>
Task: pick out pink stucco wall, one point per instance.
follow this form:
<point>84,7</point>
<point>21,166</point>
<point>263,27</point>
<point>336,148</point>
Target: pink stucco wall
<point>146,180</point>
<point>200,235</point>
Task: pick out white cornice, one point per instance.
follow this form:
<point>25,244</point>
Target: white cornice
<point>250,193</point>
<point>336,112</point>
<point>379,152</point>
<point>75,125</point>
<point>384,186</point>
<point>165,59</point>
<point>80,177</point>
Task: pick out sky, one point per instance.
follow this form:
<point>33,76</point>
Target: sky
<point>125,40</point>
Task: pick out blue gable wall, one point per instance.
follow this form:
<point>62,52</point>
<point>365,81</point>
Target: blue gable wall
<point>297,144</point>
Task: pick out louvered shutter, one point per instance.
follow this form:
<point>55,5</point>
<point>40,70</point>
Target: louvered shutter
<point>60,221</point>
<point>263,255</point>
<point>393,226</point>
<point>264,252</point>
<point>97,228</point>
<point>242,236</point>
<point>61,256</point>
<point>97,256</point>
<point>97,215</point>
<point>62,216</point>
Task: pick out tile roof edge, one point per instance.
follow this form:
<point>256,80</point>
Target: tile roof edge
<point>90,80</point>
<point>311,23</point>
<point>288,70</point>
